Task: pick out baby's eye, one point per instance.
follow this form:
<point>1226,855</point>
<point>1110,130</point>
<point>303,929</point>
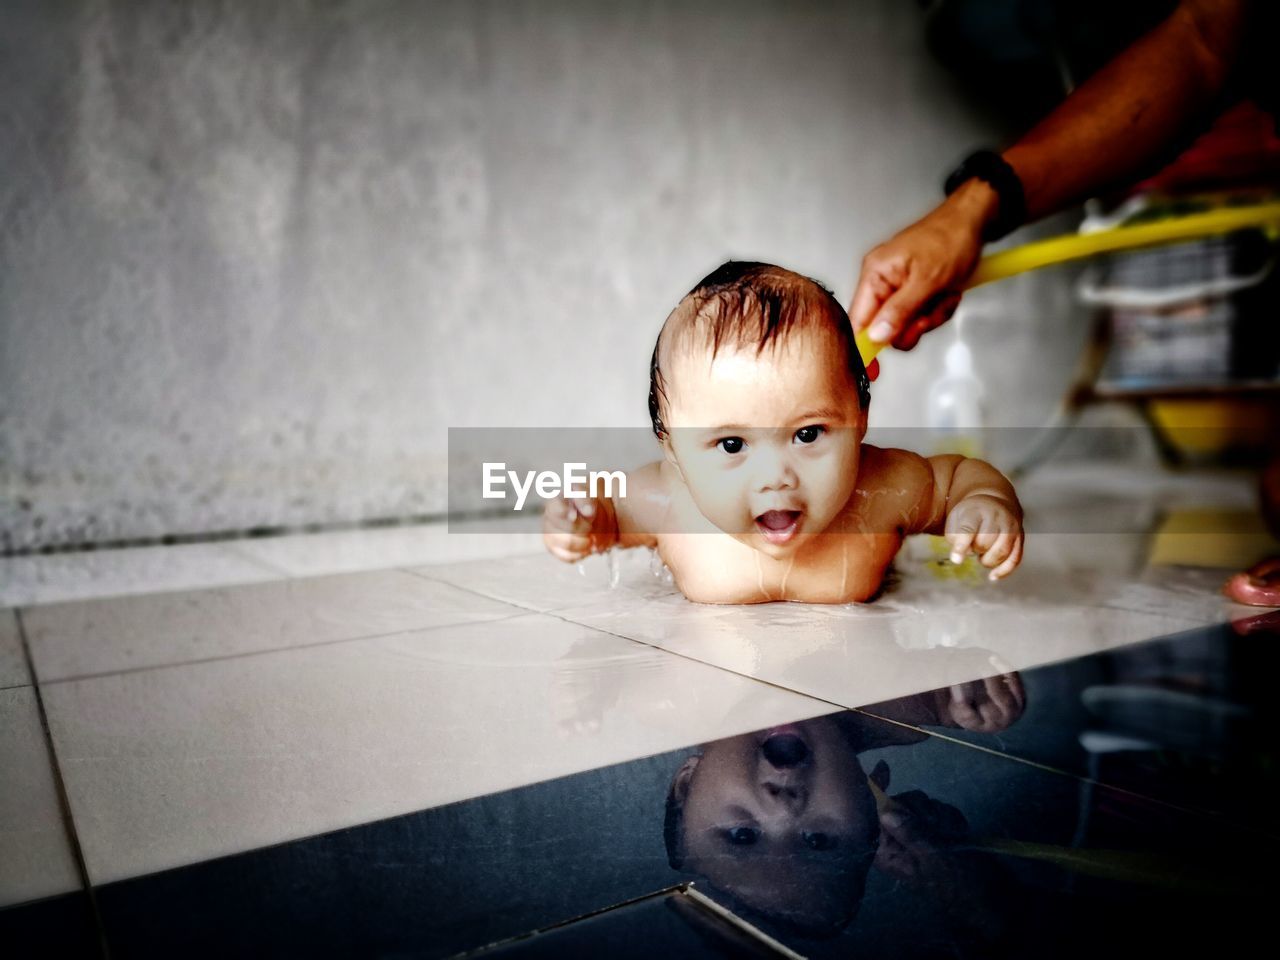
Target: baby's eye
<point>742,836</point>
<point>730,444</point>
<point>809,434</point>
<point>818,840</point>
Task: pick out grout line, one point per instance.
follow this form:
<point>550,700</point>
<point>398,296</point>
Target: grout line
<point>644,643</point>
<point>298,646</point>
<point>1202,814</point>
<point>742,926</point>
<point>64,800</point>
<point>685,889</point>
<point>1046,768</point>
<point>677,888</point>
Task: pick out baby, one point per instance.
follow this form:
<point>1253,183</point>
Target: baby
<point>759,398</point>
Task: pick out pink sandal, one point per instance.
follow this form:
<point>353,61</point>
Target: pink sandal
<point>1259,586</point>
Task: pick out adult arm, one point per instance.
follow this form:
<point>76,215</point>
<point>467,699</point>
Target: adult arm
<point>1107,132</point>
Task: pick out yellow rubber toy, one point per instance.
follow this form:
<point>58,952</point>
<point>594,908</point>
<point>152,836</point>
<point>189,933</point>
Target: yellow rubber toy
<point>1080,246</point>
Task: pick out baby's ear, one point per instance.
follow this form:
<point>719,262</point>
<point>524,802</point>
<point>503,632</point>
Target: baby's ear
<point>680,782</point>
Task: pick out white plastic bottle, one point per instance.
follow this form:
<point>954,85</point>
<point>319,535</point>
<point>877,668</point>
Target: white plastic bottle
<point>955,405</point>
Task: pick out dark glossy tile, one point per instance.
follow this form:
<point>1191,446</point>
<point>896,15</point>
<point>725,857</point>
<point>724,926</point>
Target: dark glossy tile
<point>428,884</point>
<point>61,926</point>
<point>678,920</point>
<point>973,854</point>
<point>1184,719</point>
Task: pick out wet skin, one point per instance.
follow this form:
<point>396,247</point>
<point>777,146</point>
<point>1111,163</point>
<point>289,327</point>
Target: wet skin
<point>844,506</point>
<point>766,491</point>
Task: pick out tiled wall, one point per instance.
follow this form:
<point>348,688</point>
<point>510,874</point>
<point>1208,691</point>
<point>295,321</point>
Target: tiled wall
<point>258,257</point>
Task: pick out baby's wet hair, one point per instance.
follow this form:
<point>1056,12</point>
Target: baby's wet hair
<point>745,302</point>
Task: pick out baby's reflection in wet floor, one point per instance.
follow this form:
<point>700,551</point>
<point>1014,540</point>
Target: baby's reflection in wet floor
<point>784,825</point>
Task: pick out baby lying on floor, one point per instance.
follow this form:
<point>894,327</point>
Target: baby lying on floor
<point>767,492</point>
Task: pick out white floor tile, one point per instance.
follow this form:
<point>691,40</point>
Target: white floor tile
<point>35,854</point>
<point>13,665</point>
<point>128,633</point>
<point>340,551</point>
<point>931,629</point>
<point>56,577</point>
<point>857,657</point>
<point>180,764</point>
<point>541,582</point>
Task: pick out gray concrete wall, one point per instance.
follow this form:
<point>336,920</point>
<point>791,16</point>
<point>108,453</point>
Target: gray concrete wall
<point>255,258</point>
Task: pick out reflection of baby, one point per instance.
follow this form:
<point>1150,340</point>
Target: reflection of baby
<point>759,398</point>
<point>783,824</point>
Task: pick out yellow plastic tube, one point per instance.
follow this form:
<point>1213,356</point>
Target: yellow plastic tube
<point>1080,246</point>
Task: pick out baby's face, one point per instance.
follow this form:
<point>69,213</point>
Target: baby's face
<point>783,819</point>
<point>767,443</point>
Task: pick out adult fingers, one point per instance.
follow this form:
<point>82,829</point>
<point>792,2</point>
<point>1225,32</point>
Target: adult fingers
<point>899,310</point>
<point>909,337</point>
<point>935,312</point>
<point>874,287</point>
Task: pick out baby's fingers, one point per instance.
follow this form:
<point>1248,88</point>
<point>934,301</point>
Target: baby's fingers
<point>570,516</point>
<point>569,547</point>
<point>999,546</point>
<point>1011,562</point>
<point>961,538</point>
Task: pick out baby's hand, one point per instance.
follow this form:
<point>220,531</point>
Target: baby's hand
<point>983,706</point>
<point>991,527</point>
<point>574,529</point>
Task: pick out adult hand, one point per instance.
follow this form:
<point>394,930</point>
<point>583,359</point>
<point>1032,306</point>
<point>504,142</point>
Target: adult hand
<point>911,283</point>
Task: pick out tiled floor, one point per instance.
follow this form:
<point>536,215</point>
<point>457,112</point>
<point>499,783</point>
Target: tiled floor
<point>213,704</point>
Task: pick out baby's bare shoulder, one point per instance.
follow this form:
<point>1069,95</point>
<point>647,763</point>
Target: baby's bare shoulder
<point>894,483</point>
<point>890,467</point>
<point>643,511</point>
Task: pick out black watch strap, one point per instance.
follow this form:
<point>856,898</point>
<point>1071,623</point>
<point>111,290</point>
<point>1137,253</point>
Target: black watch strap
<point>990,166</point>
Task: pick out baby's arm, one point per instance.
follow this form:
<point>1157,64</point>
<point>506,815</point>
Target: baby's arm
<point>576,528</point>
<point>975,508</point>
<point>967,501</point>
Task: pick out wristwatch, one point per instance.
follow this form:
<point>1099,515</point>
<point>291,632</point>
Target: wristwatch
<point>990,166</point>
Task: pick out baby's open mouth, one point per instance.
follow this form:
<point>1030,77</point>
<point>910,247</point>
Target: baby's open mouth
<point>778,526</point>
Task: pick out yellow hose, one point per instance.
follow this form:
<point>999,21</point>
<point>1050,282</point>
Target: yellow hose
<point>1080,246</point>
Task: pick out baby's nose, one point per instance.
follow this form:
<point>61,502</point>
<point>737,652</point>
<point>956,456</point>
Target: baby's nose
<point>785,750</point>
<point>774,471</point>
